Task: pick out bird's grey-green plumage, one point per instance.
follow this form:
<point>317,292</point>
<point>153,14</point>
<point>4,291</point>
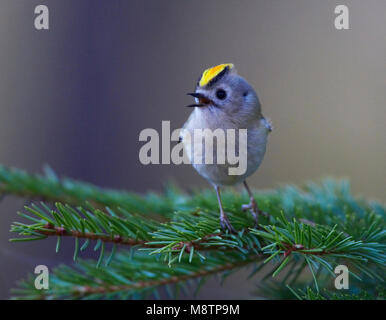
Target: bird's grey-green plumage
<point>229,102</point>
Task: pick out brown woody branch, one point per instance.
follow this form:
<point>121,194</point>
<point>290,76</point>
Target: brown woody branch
<point>50,230</point>
<point>104,289</point>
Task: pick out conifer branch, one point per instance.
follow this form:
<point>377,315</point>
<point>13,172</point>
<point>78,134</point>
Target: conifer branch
<point>132,274</point>
<point>49,188</point>
<point>179,237</point>
<point>105,289</point>
<point>50,230</point>
<point>310,294</point>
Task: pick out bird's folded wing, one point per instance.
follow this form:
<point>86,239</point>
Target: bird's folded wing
<point>268,124</point>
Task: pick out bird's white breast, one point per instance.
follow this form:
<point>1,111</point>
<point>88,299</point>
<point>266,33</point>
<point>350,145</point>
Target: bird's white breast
<point>218,174</point>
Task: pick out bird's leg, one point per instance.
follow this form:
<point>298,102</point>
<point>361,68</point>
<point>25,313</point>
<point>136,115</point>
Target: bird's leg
<point>252,206</point>
<point>224,221</point>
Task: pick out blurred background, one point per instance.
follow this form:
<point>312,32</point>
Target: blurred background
<point>76,96</point>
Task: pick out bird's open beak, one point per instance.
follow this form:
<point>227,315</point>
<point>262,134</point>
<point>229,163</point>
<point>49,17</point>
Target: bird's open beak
<point>203,101</point>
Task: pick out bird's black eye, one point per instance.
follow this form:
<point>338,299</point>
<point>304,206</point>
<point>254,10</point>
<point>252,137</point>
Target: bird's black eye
<point>221,94</point>
<point>245,93</point>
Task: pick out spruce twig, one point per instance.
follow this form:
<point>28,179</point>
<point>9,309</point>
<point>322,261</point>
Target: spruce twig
<point>177,237</point>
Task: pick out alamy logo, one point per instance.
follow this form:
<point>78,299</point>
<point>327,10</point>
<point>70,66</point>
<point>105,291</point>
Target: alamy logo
<point>42,280</point>
<point>342,279</point>
<point>201,146</point>
<point>342,19</point>
<point>41,21</point>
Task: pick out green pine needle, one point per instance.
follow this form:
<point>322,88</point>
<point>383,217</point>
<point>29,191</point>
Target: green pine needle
<point>171,239</point>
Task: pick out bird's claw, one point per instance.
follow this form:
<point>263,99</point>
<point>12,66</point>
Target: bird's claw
<point>226,225</point>
<point>253,209</point>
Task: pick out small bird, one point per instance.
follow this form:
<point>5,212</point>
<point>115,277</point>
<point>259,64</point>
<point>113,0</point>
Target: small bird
<point>225,100</point>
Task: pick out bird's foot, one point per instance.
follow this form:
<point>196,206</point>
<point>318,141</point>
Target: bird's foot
<point>226,225</point>
<point>254,210</point>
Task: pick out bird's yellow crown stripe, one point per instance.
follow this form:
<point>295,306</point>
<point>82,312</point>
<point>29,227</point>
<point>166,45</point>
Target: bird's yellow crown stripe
<point>212,72</point>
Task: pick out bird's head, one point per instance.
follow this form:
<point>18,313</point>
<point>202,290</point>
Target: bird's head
<point>221,87</point>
